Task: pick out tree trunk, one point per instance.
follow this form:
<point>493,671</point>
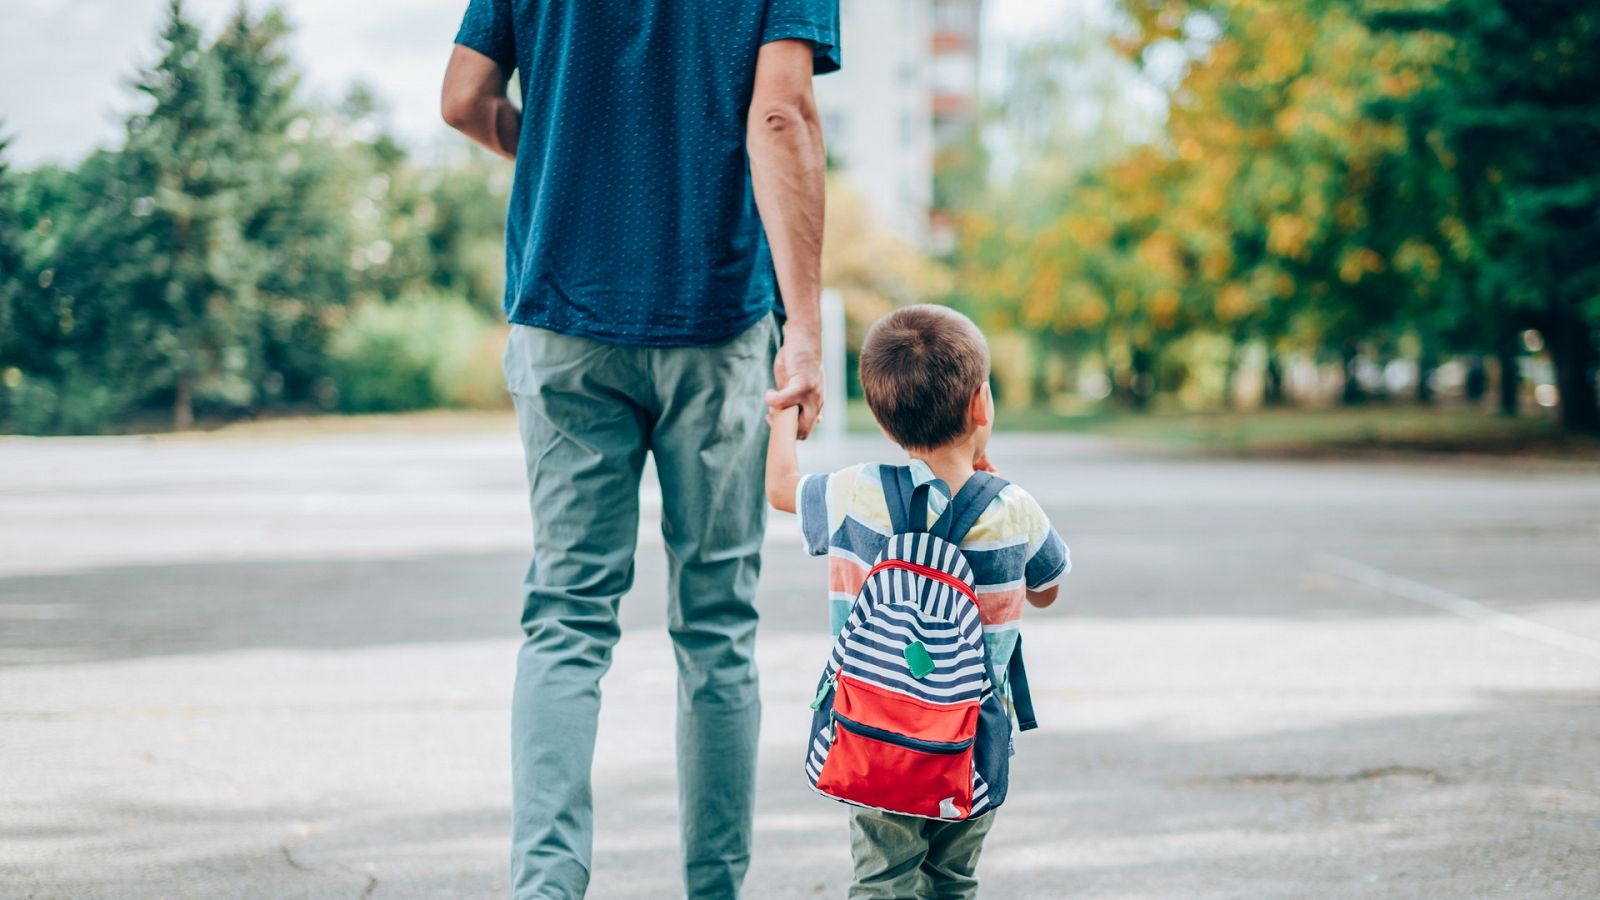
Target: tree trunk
<point>1272,392</point>
<point>1507,355</point>
<point>1426,363</point>
<point>1143,383</point>
<point>1041,387</point>
<point>182,405</point>
<point>1352,393</point>
<point>1230,373</point>
<point>1477,384</point>
<point>1573,350</point>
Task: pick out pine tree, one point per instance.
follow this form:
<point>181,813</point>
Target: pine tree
<point>182,151</point>
<point>293,216</point>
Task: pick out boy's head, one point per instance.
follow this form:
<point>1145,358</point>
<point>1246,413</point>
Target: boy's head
<point>925,371</point>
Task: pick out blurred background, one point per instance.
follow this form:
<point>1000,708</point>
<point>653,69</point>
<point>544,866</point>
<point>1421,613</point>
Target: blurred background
<point>218,211</point>
<point>1293,308</point>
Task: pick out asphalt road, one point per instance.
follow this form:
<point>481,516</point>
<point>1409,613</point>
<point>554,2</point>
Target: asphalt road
<point>280,668</point>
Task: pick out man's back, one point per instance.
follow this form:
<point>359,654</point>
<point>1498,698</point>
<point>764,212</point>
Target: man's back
<point>632,218</point>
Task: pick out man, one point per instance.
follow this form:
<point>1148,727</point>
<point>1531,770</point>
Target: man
<point>641,285</point>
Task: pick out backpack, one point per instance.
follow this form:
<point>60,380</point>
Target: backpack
<point>907,718</point>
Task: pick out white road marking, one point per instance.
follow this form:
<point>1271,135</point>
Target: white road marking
<point>1454,603</point>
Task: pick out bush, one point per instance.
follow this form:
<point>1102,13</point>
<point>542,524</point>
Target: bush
<point>421,351</point>
<point>33,404</point>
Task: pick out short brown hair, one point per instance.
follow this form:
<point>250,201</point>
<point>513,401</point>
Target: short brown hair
<point>920,366</point>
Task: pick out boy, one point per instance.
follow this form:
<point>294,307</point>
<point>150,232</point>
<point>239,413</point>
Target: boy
<point>925,372</point>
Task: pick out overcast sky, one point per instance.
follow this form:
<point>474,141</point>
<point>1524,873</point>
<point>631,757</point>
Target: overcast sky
<point>65,64</point>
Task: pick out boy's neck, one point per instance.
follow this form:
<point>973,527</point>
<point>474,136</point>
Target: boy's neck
<point>951,463</point>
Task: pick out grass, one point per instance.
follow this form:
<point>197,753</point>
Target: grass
<point>1374,427</point>
<point>1337,431</point>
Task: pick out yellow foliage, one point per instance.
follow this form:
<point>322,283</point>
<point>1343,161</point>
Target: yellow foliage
<point>1233,303</point>
<point>1163,306</point>
<point>1357,263</point>
<point>1288,236</point>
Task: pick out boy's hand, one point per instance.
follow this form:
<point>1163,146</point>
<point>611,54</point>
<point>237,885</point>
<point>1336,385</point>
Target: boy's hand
<point>982,464</point>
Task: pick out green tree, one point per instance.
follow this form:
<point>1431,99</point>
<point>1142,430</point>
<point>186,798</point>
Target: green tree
<point>1512,116</point>
<point>293,212</point>
<point>200,323</point>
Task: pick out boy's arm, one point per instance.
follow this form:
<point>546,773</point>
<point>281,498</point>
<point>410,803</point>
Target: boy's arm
<point>1048,562</point>
<point>783,466</point>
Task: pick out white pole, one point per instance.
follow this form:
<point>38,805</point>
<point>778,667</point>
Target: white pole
<point>833,373</point>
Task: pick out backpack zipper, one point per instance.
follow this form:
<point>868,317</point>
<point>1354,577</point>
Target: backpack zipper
<point>927,572</point>
<point>822,692</point>
<point>900,740</point>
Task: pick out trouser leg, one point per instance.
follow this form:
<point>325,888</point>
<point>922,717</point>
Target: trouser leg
<point>888,851</point>
<point>584,436</point>
<point>709,443</point>
<point>952,862</point>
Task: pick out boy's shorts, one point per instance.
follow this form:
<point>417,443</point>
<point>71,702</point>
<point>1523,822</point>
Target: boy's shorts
<point>905,856</point>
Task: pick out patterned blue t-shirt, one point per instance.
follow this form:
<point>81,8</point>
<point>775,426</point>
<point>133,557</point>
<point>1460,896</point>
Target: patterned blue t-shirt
<point>632,219</point>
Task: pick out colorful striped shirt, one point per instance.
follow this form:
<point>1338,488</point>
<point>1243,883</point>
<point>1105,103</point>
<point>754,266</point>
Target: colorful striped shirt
<point>1012,548</point>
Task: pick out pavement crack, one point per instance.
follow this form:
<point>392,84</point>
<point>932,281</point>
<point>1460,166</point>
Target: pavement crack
<point>286,848</point>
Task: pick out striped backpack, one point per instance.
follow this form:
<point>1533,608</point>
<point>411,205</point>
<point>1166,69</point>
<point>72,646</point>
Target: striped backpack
<point>907,718</point>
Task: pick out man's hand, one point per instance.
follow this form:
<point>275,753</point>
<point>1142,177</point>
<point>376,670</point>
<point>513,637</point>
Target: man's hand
<point>798,374</point>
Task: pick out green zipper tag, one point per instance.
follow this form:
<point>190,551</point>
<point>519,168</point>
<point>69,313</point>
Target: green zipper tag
<point>816,702</point>
<point>918,659</point>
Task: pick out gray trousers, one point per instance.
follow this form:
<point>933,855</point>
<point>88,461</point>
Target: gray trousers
<point>588,413</point>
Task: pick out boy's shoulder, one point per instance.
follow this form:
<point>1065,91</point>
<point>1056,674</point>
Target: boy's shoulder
<point>858,489</point>
<point>1013,514</point>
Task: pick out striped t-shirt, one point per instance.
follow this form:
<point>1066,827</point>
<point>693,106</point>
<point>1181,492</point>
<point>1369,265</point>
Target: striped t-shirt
<point>1012,548</point>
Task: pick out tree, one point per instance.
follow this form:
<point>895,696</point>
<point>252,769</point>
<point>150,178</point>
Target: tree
<point>292,211</point>
<point>1513,116</point>
<point>11,259</point>
<point>182,154</point>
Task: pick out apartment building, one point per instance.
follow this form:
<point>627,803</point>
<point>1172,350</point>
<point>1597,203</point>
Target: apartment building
<point>909,84</point>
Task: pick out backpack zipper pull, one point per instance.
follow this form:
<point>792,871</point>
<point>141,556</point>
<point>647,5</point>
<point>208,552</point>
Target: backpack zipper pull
<point>822,692</point>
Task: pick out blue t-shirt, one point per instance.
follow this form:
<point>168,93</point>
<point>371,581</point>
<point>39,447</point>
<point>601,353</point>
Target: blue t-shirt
<point>632,219</point>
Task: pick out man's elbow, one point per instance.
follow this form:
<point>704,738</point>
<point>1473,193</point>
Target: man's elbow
<point>458,108</point>
<point>784,117</point>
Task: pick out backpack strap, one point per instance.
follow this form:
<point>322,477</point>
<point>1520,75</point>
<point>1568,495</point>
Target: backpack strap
<point>1021,697</point>
<point>897,490</point>
<point>907,500</point>
<point>967,506</point>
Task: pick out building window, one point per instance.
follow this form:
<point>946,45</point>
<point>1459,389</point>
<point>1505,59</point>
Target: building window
<point>953,16</point>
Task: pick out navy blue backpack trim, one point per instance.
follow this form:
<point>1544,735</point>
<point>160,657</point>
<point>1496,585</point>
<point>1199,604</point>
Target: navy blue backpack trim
<point>908,511</point>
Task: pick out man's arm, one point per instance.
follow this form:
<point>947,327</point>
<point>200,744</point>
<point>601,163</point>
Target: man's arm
<point>787,169</point>
<point>474,101</point>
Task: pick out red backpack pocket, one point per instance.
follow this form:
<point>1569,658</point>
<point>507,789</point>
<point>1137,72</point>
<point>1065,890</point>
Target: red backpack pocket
<point>897,752</point>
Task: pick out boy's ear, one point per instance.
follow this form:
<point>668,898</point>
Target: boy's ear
<point>978,408</point>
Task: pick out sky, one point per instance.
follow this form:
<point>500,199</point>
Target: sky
<point>66,65</point>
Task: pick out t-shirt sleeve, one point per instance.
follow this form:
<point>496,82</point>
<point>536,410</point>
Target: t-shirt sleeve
<point>1049,559</point>
<point>487,28</point>
<point>814,21</point>
<point>822,502</point>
